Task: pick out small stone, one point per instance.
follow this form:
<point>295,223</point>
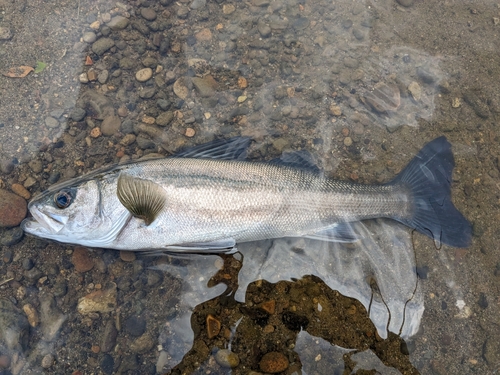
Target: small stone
<point>122,111</point>
<point>180,88</point>
<point>148,120</point>
<point>95,349</point>
<point>51,122</point>
<point>89,37</point>
<point>99,301</point>
<point>135,325</point>
<point>102,45</point>
<point>5,33</point>
<point>335,110</point>
<point>118,23</point>
<point>213,326</point>
<point>456,102</point>
<point>47,361</point>
<point>81,259</point>
<point>204,35</point>
<point>190,132</point>
<point>127,140</point>
<point>405,3</point>
<point>92,75</point>
<point>142,344</point>
<point>415,90</point>
<point>241,98</point>
<point>147,93</point>
<point>31,314</point>
<point>13,209</point>
<point>242,83</point>
<point>347,141</point>
<point>205,86</point>
<point>78,114</point>
<point>21,191</point>
<point>10,237</point>
<point>165,118</point>
<point>4,361</point>
<point>95,25</point>
<point>226,358</point>
<point>148,14</point>
<point>127,256</point>
<point>6,166</point>
<point>102,77</point>
<point>29,182</point>
<point>198,4</point>
<point>83,78</point>
<point>144,74</point>
<point>110,125</point>
<point>228,8</point>
<point>95,132</point>
<point>109,337</point>
<point>269,306</point>
<point>273,362</point>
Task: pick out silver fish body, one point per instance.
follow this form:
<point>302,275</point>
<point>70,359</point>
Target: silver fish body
<point>206,204</point>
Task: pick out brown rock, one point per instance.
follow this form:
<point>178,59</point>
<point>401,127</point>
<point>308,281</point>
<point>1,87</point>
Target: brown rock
<point>13,209</point>
<point>21,191</point>
<point>127,256</point>
<point>213,326</point>
<point>110,125</point>
<point>269,306</point>
<point>273,362</point>
<point>81,259</point>
<point>204,35</point>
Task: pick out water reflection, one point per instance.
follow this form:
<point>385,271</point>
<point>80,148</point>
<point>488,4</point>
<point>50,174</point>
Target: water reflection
<point>355,297</point>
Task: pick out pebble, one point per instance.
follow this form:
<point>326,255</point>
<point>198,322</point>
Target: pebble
<point>109,336</point>
<point>4,361</point>
<point>164,118</point>
<point>148,14</point>
<point>127,256</point>
<point>95,132</point>
<point>102,45</point>
<point>180,88</point>
<point>6,166</point>
<point>82,260</point>
<point>213,326</point>
<point>89,37</point>
<point>147,93</point>
<point>5,33</point>
<point>118,23</point>
<point>228,9</point>
<point>205,86</point>
<point>28,264</point>
<point>144,74</point>
<point>273,362</point>
<point>204,35</point>
<point>102,301</point>
<point>92,75</point>
<point>13,209</point>
<point>127,140</point>
<point>335,110</point>
<point>21,191</point>
<point>142,344</point>
<point>135,325</point>
<point>190,132</point>
<point>31,314</point>
<point>347,141</point>
<point>51,317</point>
<point>405,3</point>
<point>110,125</point>
<point>226,358</point>
<point>415,90</point>
<point>11,237</point>
<point>83,78</point>
<point>51,122</point>
<point>102,77</point>
<point>198,4</point>
<point>77,114</point>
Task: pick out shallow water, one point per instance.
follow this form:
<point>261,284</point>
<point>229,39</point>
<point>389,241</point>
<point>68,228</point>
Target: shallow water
<point>362,85</point>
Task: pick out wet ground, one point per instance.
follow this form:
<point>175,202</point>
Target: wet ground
<point>361,85</point>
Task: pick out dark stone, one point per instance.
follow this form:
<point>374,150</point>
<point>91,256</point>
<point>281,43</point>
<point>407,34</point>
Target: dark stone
<point>78,114</point>
<point>28,264</point>
<point>422,272</point>
<point>135,326</point>
<point>482,302</point>
<point>294,322</point>
<point>107,364</point>
<point>109,337</point>
<point>11,237</point>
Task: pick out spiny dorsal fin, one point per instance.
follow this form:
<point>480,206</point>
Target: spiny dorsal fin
<point>143,198</point>
<point>227,149</point>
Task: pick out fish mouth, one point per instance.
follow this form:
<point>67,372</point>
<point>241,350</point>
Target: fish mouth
<point>43,223</point>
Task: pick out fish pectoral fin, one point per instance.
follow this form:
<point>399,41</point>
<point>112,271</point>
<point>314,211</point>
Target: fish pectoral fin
<point>340,232</point>
<point>219,246</point>
<point>143,198</point>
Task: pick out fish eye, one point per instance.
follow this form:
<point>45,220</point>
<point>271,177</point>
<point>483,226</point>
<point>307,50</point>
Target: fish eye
<point>63,199</point>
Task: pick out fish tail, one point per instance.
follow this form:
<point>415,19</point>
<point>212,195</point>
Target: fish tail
<point>428,176</point>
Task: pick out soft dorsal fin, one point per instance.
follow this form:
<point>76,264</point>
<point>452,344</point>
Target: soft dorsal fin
<point>143,198</point>
<point>228,149</point>
<point>298,159</point>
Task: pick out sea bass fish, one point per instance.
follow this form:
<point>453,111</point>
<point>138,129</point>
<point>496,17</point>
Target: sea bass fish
<point>210,198</point>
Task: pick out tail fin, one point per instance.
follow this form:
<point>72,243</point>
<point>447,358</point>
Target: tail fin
<point>428,176</point>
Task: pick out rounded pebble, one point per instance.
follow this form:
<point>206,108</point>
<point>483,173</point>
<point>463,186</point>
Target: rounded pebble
<point>21,191</point>
<point>110,125</point>
<point>273,362</point>
<point>47,361</point>
<point>89,37</point>
<point>144,74</point>
<point>148,14</point>
<point>51,122</point>
<point>226,358</point>
<point>81,259</point>
<point>13,209</point>
<point>347,141</point>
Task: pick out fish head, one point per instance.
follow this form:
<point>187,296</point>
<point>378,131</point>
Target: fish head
<point>70,213</point>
